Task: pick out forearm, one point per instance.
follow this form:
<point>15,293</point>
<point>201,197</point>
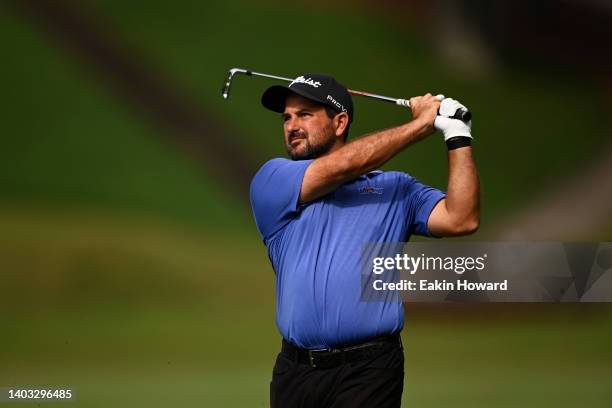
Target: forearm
<point>372,151</point>
<point>353,159</point>
<point>463,192</point>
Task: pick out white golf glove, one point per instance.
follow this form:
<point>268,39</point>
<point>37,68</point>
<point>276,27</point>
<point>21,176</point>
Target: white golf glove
<point>452,127</point>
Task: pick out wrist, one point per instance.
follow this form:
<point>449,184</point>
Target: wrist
<point>422,127</point>
<point>456,142</point>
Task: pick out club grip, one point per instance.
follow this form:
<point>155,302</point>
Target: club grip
<point>463,115</point>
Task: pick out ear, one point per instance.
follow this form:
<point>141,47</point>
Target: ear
<point>341,122</point>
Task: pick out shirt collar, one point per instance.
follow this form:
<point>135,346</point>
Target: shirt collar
<point>369,175</point>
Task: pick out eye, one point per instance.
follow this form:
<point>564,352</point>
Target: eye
<point>304,114</point>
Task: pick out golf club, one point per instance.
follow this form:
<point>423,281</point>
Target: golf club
<point>462,114</point>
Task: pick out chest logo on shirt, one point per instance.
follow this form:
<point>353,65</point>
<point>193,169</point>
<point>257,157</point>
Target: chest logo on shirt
<point>371,190</point>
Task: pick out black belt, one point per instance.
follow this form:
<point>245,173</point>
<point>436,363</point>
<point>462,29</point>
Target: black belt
<point>328,358</point>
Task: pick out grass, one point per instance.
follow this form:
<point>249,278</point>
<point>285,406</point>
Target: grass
<point>161,315</point>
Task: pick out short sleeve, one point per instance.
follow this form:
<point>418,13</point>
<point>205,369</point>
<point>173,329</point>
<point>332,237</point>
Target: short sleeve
<point>421,200</point>
<point>275,192</point>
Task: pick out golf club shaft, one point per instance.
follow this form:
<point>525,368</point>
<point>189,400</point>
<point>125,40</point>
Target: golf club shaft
<point>260,74</point>
<point>397,101</point>
<point>351,91</point>
<point>463,115</point>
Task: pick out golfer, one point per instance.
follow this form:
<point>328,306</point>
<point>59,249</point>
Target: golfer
<point>315,210</point>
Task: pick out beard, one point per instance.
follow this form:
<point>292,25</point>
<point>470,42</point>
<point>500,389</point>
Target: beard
<point>310,150</point>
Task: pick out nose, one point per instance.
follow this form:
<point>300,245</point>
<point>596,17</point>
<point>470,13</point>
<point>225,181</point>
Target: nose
<point>291,124</point>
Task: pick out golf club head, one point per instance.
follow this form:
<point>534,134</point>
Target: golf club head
<point>228,81</point>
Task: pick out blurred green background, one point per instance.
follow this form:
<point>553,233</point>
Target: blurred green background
<point>131,270</point>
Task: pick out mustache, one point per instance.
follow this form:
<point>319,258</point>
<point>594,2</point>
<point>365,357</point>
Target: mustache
<point>297,133</point>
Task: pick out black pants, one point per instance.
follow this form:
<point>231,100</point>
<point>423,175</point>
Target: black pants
<point>374,383</point>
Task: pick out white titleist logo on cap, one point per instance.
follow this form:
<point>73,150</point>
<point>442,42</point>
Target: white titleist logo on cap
<point>307,81</point>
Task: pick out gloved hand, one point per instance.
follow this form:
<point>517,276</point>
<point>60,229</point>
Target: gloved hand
<point>451,127</point>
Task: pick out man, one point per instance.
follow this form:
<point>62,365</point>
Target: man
<point>316,210</point>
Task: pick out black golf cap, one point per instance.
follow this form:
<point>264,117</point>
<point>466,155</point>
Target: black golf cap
<point>320,88</point>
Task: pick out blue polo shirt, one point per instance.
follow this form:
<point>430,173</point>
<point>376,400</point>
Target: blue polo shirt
<point>315,249</point>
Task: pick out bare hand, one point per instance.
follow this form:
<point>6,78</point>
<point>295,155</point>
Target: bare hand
<point>424,110</point>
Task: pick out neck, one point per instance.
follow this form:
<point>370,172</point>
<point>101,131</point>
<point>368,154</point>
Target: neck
<point>339,143</point>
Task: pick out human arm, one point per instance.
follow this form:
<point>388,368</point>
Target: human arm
<point>327,173</point>
<point>459,212</point>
